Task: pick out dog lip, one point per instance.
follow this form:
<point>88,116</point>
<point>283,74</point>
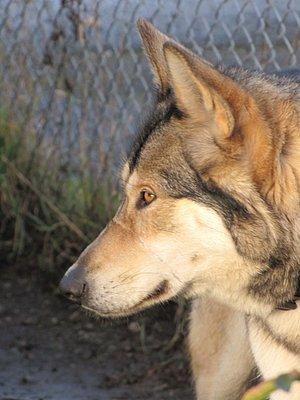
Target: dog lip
<point>84,287</point>
<point>159,290</point>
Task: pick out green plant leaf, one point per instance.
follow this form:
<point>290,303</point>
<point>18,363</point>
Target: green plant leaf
<point>263,390</point>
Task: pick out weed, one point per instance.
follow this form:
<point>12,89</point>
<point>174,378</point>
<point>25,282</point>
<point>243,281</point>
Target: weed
<point>47,213</point>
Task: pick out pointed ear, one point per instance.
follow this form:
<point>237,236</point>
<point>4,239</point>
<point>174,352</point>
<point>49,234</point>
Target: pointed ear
<point>153,41</point>
<point>193,95</point>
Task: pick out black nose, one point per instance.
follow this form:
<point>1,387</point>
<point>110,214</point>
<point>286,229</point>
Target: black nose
<point>73,285</point>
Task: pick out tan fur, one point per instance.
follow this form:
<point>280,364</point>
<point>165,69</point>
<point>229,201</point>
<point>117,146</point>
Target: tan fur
<point>271,357</point>
<point>220,350</point>
<point>194,96</point>
<point>264,148</point>
<point>278,184</point>
<point>154,51</point>
<point>224,226</point>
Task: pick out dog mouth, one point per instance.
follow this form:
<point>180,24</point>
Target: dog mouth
<point>159,291</point>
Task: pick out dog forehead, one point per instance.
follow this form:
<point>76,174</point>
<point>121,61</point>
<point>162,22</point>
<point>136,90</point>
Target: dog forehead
<point>162,147</point>
<point>125,172</point>
<point>133,180</point>
<point>154,129</point>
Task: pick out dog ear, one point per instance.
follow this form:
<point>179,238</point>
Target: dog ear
<point>193,95</point>
<point>202,90</point>
<point>243,133</point>
<point>153,42</point>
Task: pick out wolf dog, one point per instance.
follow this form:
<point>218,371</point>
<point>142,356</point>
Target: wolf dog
<point>209,211</point>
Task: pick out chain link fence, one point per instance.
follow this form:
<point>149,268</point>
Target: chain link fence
<point>73,76</point>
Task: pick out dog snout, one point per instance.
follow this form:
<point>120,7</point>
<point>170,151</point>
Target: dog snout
<point>73,285</point>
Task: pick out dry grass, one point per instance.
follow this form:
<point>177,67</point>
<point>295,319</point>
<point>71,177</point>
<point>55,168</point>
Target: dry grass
<point>48,213</point>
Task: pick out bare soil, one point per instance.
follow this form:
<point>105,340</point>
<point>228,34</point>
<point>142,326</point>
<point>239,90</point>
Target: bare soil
<point>51,350</point>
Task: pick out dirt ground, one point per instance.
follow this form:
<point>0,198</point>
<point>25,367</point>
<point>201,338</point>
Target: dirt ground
<point>51,350</point>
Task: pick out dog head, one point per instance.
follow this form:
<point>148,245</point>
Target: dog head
<point>197,190</point>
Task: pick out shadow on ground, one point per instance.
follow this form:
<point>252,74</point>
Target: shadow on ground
<point>51,350</point>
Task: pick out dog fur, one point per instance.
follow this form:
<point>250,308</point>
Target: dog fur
<point>210,211</point>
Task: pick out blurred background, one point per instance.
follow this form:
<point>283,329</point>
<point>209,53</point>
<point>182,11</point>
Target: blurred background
<point>73,86</point>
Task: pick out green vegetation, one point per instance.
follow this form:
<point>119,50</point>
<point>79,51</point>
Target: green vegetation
<point>48,211</point>
<point>264,389</point>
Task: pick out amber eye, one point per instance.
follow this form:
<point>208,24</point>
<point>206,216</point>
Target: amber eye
<point>147,197</point>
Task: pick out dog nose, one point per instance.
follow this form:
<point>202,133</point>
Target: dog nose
<point>72,284</point>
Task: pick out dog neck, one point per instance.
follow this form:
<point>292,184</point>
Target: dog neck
<point>251,288</point>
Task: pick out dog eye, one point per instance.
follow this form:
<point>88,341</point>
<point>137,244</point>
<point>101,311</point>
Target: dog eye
<point>147,197</point>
